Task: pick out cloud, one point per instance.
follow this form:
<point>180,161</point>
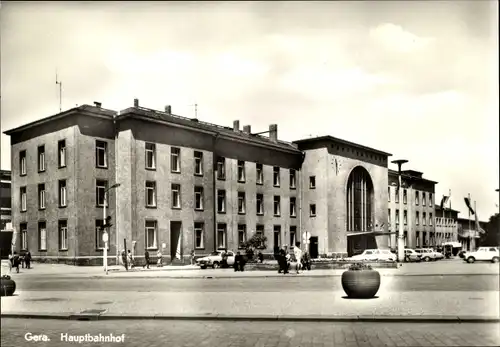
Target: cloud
<point>394,37</point>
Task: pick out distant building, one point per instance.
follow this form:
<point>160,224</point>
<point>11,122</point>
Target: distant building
<point>446,225</point>
<point>416,211</point>
<point>467,233</point>
<point>5,214</point>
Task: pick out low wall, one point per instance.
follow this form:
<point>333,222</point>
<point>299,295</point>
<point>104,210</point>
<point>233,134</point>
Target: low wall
<point>333,265</point>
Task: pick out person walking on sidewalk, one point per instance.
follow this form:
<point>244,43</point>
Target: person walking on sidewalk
<point>159,262</point>
<point>15,261</point>
<point>146,257</point>
<point>298,256</point>
<point>193,254</point>
<point>239,262</point>
<point>27,259</point>
<point>130,259</point>
<point>11,261</point>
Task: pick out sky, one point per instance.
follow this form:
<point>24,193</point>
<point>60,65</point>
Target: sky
<point>415,79</point>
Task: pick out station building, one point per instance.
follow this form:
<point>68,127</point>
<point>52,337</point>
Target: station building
<point>187,185</point>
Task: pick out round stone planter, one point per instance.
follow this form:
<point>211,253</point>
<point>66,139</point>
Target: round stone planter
<point>361,284</point>
<point>7,286</point>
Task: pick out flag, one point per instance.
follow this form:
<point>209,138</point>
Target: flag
<point>478,227</point>
<point>467,202</point>
<point>444,200</point>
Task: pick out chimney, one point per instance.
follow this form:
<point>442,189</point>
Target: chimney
<point>247,129</point>
<point>97,104</point>
<point>236,125</point>
<point>168,109</point>
<point>273,132</point>
<point>136,102</point>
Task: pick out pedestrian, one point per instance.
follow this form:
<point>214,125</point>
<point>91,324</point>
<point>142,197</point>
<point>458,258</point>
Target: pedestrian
<point>298,256</point>
<point>282,261</point>
<point>27,259</point>
<point>21,259</point>
<point>159,262</point>
<point>260,256</point>
<point>124,259</point>
<point>193,254</point>
<point>239,262</point>
<point>146,258</point>
<point>130,259</point>
<point>306,261</point>
<point>15,261</point>
<point>11,260</point>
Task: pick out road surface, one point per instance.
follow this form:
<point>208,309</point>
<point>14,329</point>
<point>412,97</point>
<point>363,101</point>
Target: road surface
<point>277,284</point>
<point>243,334</point>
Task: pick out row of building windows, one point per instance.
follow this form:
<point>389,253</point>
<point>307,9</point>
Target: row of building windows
<point>42,235</point>
<point>405,218</point>
<point>405,197</point>
<point>42,196</point>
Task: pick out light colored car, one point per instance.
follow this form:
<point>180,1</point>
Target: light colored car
<point>214,260</point>
<point>374,255</point>
<point>427,254</point>
<point>411,255</point>
<point>483,254</point>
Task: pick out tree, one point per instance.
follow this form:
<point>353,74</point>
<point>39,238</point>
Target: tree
<point>492,235</point>
<point>257,241</point>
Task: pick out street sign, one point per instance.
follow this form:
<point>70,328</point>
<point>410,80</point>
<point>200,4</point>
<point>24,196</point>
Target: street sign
<point>105,237</point>
<point>305,237</point>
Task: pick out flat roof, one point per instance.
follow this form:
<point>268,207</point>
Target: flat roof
<point>404,173</point>
<point>341,141</point>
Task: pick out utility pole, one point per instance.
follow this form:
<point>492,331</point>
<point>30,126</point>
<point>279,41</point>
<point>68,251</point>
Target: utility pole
<point>60,93</point>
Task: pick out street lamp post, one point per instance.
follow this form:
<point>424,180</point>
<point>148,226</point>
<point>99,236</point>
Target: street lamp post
<point>498,191</point>
<point>401,251</point>
<point>105,236</point>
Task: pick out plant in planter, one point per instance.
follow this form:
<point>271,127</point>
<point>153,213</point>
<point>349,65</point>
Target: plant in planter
<point>257,241</point>
<point>7,286</point>
<point>360,281</point>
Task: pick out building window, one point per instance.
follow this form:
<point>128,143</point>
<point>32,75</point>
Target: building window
<point>277,207</point>
<point>388,194</point>
<point>241,202</point>
<point>221,235</point>
<point>221,201</point>
<point>293,206</point>
<point>176,196</point>
<point>424,217</point>
<point>430,219</point>
<point>199,239</point>
<point>423,199</point>
<point>100,190</point>
<point>417,197</point>
<point>41,196</point>
<point>260,174</point>
<point>241,171</point>
<point>389,221</point>
<point>23,199</point>
<point>417,218</point>
<point>198,198</point>
<point>99,243</point>
<point>260,204</point>
<point>359,200</point>
<point>41,158</point>
<point>312,182</point>
<point>277,236</point>
<point>242,235</point>
<point>431,202</point>
<point>24,236</point>
<point>293,179</point>
<point>221,168</point>
<point>397,217</point>
<point>276,176</point>
<point>396,196</point>
<point>417,236</point>
<point>405,217</point>
<point>312,210</point>
<point>175,160</point>
<point>293,235</point>
<point>61,153</point>
<point>151,234</point>
<point>198,163</point>
<point>259,231</point>
<point>150,156</point>
<point>63,235</point>
<point>42,236</point>
<point>405,196</point>
<point>101,154</point>
<point>22,163</point>
<point>150,194</point>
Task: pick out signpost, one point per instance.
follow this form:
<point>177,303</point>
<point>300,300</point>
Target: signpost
<point>306,240</point>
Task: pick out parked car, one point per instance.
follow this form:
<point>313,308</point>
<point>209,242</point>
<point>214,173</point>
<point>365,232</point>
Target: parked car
<point>374,255</point>
<point>411,255</point>
<point>214,260</point>
<point>429,254</point>
<point>483,254</point>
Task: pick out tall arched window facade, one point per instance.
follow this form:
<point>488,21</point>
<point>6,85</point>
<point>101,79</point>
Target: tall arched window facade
<point>359,200</point>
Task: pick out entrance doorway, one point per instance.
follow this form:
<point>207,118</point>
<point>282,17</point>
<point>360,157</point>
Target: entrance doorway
<point>175,241</point>
<point>313,247</point>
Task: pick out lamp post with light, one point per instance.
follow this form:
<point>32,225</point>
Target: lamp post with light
<point>498,191</point>
<point>105,236</point>
<point>401,245</point>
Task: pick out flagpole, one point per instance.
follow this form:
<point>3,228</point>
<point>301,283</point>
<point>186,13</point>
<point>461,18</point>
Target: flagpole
<point>468,209</point>
<point>475,210</point>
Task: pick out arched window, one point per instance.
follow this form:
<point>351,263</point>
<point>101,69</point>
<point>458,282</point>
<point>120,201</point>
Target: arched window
<point>359,200</point>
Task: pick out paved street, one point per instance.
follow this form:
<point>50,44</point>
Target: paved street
<point>258,334</point>
<point>273,284</point>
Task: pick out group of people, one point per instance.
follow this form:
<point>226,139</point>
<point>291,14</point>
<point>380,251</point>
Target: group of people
<point>16,259</point>
<point>284,258</point>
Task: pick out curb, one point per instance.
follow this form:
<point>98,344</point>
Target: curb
<point>264,318</point>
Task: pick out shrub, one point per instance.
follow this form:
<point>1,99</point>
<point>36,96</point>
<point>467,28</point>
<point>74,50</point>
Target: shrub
<point>359,267</point>
<point>257,241</point>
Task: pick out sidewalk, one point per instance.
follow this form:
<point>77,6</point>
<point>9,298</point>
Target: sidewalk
<point>318,306</point>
